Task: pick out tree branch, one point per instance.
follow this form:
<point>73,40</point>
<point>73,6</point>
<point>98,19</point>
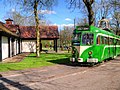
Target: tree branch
<point>41,2</point>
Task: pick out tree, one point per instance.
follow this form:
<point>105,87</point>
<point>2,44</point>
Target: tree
<point>102,8</point>
<point>115,4</point>
<point>65,36</point>
<point>19,19</point>
<point>34,6</point>
<point>81,21</point>
<point>88,5</point>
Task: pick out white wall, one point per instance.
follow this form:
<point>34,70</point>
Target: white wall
<point>20,46</point>
<point>28,46</point>
<point>17,47</point>
<point>10,48</point>
<point>4,47</point>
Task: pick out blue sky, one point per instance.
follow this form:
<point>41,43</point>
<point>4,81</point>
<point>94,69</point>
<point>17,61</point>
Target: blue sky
<point>60,14</point>
<point>63,14</point>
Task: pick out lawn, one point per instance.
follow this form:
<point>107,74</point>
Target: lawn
<point>32,62</point>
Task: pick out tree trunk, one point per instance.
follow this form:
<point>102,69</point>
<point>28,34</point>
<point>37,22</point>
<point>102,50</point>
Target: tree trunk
<point>91,16</point>
<point>88,4</point>
<point>37,29</point>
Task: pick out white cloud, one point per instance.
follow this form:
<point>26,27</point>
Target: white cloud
<point>68,19</point>
<point>70,25</point>
<point>13,10</point>
<point>55,24</point>
<point>46,12</point>
<point>61,26</point>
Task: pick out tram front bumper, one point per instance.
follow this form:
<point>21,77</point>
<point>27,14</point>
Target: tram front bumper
<point>72,59</point>
<point>78,59</point>
<point>92,60</point>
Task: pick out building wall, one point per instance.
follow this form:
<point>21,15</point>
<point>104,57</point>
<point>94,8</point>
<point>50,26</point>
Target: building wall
<point>10,47</point>
<point>20,46</point>
<point>4,47</point>
<point>28,46</point>
<point>17,47</point>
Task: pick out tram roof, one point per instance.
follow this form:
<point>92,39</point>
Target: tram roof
<point>107,32</point>
<point>98,30</point>
<point>95,30</point>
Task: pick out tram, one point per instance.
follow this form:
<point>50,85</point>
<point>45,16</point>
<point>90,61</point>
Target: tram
<point>92,44</point>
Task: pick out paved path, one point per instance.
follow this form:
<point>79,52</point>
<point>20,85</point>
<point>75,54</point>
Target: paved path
<point>16,58</point>
<point>64,77</point>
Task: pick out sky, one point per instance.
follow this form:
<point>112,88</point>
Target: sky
<point>60,14</point>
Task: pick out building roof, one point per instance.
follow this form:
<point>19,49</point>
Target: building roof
<point>46,32</point>
<point>6,30</point>
<point>29,32</point>
<point>12,27</point>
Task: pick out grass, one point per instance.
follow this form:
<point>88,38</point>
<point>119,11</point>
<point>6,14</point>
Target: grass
<point>32,62</point>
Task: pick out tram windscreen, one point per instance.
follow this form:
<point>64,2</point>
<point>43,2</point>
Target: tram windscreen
<point>87,39</point>
<point>76,37</point>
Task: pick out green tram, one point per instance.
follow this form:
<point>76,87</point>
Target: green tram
<point>94,45</point>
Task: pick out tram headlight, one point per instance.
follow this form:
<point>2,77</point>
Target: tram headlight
<point>73,52</point>
<point>90,52</point>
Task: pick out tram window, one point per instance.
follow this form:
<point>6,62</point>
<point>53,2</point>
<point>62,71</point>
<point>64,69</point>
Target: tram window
<point>76,36</point>
<point>118,42</point>
<point>110,41</point>
<point>106,40</point>
<point>102,38</point>
<point>115,41</point>
<point>98,40</point>
<point>87,39</point>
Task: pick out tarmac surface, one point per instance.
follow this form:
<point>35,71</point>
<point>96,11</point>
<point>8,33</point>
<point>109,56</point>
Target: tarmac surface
<point>16,58</point>
<point>105,76</point>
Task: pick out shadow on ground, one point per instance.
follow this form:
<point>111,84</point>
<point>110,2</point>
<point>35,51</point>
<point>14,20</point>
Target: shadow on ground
<point>66,61</point>
<point>12,84</point>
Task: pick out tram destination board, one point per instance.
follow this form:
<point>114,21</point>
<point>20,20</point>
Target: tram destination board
<point>80,28</point>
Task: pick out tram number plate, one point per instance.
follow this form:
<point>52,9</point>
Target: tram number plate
<point>92,60</point>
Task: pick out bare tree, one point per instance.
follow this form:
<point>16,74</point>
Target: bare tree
<point>115,4</point>
<point>19,19</point>
<point>81,21</point>
<point>65,36</point>
<point>33,7</point>
<point>84,3</point>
